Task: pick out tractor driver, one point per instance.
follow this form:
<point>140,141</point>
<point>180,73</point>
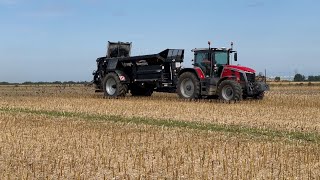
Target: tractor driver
<point>206,63</point>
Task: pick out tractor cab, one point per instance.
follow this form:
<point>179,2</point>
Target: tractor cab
<point>212,60</point>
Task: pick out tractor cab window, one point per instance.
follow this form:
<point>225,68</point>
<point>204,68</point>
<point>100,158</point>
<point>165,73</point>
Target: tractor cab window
<point>202,60</point>
<point>221,58</point>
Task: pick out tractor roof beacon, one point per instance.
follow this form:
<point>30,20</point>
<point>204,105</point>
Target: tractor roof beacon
<point>212,74</point>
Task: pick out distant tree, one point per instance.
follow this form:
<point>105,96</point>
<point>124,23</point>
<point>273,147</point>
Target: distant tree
<point>314,78</point>
<point>277,79</point>
<point>4,83</point>
<point>69,82</point>
<point>56,82</point>
<point>311,78</point>
<point>299,77</point>
<point>27,83</point>
<point>41,82</point>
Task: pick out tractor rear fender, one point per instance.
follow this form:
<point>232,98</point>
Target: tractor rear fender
<point>196,71</point>
<point>122,76</point>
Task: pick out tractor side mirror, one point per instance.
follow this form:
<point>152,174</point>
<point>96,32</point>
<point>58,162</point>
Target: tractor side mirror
<point>235,56</point>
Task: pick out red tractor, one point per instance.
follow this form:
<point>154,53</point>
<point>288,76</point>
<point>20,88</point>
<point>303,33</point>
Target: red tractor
<point>214,76</point>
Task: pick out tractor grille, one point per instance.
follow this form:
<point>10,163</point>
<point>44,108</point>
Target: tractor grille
<point>251,77</point>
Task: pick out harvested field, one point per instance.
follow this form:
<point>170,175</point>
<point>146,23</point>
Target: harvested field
<point>286,108</point>
<point>71,133</point>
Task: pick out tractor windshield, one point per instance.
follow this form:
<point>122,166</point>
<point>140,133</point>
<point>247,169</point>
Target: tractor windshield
<point>221,57</point>
<point>218,58</point>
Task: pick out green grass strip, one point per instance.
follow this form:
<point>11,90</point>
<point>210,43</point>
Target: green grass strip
<point>234,129</point>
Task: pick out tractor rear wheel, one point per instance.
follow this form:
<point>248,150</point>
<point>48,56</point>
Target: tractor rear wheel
<point>188,86</point>
<point>112,86</point>
<point>230,91</point>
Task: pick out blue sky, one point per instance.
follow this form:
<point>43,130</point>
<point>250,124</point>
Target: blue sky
<point>53,40</point>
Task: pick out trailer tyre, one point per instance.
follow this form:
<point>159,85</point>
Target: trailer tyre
<point>229,90</point>
<point>112,86</point>
<point>188,86</point>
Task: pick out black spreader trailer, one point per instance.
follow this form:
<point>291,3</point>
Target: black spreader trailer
<point>119,73</point>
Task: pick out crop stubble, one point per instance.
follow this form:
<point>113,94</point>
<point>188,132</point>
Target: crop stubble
<point>43,146</point>
<point>287,108</point>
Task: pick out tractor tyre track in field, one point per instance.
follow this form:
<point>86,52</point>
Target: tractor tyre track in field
<point>230,129</point>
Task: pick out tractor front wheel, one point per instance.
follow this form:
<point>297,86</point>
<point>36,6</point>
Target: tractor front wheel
<point>188,86</point>
<point>112,86</point>
<point>230,91</point>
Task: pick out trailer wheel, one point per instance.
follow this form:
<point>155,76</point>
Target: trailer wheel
<point>112,87</point>
<point>188,86</point>
<point>230,90</point>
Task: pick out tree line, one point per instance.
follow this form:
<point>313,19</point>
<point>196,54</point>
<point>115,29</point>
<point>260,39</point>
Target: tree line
<point>297,78</point>
<point>300,77</point>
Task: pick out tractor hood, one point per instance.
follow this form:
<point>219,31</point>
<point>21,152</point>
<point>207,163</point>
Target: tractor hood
<point>241,68</point>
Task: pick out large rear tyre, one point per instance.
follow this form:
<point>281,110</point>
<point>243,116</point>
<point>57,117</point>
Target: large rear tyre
<point>188,86</point>
<point>112,86</point>
<point>229,90</point>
